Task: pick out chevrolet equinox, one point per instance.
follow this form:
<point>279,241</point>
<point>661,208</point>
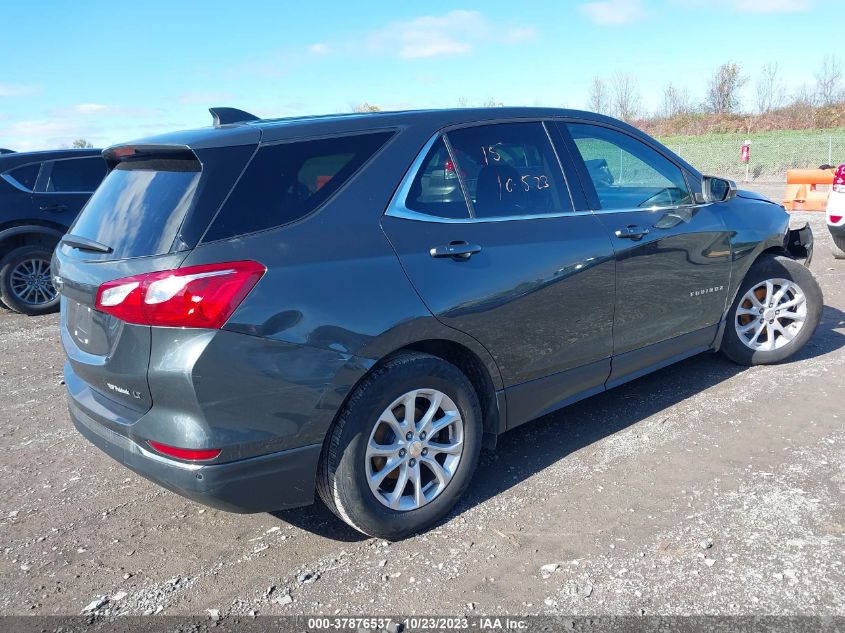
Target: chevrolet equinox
<point>356,304</point>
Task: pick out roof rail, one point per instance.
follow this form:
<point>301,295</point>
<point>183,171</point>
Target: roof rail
<point>224,116</point>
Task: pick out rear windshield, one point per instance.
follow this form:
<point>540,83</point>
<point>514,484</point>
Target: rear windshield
<point>140,206</point>
<point>287,181</point>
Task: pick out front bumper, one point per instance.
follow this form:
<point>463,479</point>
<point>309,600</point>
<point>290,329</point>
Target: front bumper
<point>275,481</point>
<point>799,243</point>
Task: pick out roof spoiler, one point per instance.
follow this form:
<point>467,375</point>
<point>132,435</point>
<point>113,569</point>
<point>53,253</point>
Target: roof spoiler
<point>224,116</point>
<point>3,150</point>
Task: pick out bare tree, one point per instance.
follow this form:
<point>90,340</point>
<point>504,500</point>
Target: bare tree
<point>675,101</point>
<point>81,143</point>
<point>462,102</point>
<point>771,93</point>
<point>723,91</point>
<point>829,82</point>
<point>599,100</point>
<point>626,97</point>
<point>492,103</point>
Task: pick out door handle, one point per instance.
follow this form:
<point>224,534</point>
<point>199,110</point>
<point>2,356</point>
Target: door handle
<point>631,232</point>
<point>55,208</point>
<point>456,250</point>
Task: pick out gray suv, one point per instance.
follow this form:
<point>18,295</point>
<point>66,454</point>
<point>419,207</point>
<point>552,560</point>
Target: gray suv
<point>357,304</point>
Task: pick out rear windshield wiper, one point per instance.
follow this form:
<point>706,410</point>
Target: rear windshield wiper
<point>85,244</point>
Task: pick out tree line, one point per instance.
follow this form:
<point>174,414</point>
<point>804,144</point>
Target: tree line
<point>619,95</point>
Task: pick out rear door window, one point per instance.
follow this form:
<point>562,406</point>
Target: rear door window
<point>436,189</point>
<point>24,176</point>
<point>510,169</point>
<point>287,181</point>
<point>76,175</point>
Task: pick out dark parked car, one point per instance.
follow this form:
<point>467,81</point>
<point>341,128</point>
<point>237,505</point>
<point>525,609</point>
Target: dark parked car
<point>358,303</point>
<point>41,193</point>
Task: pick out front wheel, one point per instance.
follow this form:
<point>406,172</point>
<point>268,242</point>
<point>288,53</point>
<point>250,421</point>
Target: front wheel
<point>404,448</point>
<point>26,285</point>
<point>775,312</point>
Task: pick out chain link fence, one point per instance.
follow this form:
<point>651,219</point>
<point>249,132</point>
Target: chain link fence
<point>770,157</point>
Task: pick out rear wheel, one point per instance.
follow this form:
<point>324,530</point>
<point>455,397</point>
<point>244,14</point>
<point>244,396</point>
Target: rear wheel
<point>838,246</point>
<point>404,448</point>
<point>26,285</point>
<point>775,312</point>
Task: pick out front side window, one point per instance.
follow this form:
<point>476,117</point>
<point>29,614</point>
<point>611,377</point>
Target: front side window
<point>510,169</point>
<point>627,173</point>
<point>80,175</point>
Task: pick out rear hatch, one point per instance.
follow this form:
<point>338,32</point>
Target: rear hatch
<point>150,211</point>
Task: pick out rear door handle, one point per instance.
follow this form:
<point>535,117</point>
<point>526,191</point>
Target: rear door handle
<point>55,208</point>
<point>631,232</point>
<point>455,250</point>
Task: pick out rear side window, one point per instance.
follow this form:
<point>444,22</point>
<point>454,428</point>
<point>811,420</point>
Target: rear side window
<point>510,169</point>
<point>25,176</point>
<point>140,206</point>
<point>76,175</point>
<point>436,189</point>
<point>627,173</point>
<point>286,182</point>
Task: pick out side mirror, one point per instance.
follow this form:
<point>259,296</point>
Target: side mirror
<point>717,189</point>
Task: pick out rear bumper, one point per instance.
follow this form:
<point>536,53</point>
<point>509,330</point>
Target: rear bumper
<point>838,231</point>
<point>275,481</point>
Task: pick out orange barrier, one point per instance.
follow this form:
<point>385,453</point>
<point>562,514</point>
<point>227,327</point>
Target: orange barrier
<point>801,193</point>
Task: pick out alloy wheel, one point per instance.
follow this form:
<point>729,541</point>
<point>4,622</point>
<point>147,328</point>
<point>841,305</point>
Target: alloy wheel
<point>30,282</point>
<point>414,449</point>
<point>770,314</point>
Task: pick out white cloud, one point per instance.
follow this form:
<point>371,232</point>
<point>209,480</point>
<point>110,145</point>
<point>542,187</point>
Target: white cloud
<point>88,108</point>
<point>614,12</point>
<point>17,90</point>
<point>104,110</point>
<point>520,34</point>
<point>453,33</point>
<point>751,6</point>
<point>319,49</point>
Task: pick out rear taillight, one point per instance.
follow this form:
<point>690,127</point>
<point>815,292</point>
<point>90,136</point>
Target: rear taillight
<point>197,296</point>
<point>835,219</point>
<point>185,453</point>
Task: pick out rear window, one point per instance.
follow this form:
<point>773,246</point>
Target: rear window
<point>286,182</point>
<point>140,206</point>
<point>81,175</point>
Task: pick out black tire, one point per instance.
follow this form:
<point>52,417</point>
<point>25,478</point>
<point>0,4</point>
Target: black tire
<point>8,264</point>
<point>342,479</point>
<point>766,268</point>
<point>838,246</point>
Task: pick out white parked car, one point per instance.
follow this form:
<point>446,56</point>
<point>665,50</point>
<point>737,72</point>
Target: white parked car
<point>836,213</point>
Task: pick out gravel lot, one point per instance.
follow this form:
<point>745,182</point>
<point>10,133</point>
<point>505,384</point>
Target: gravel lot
<point>703,488</point>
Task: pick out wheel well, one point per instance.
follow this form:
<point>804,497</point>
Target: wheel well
<point>473,368</point>
<point>27,239</point>
<point>772,250</point>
